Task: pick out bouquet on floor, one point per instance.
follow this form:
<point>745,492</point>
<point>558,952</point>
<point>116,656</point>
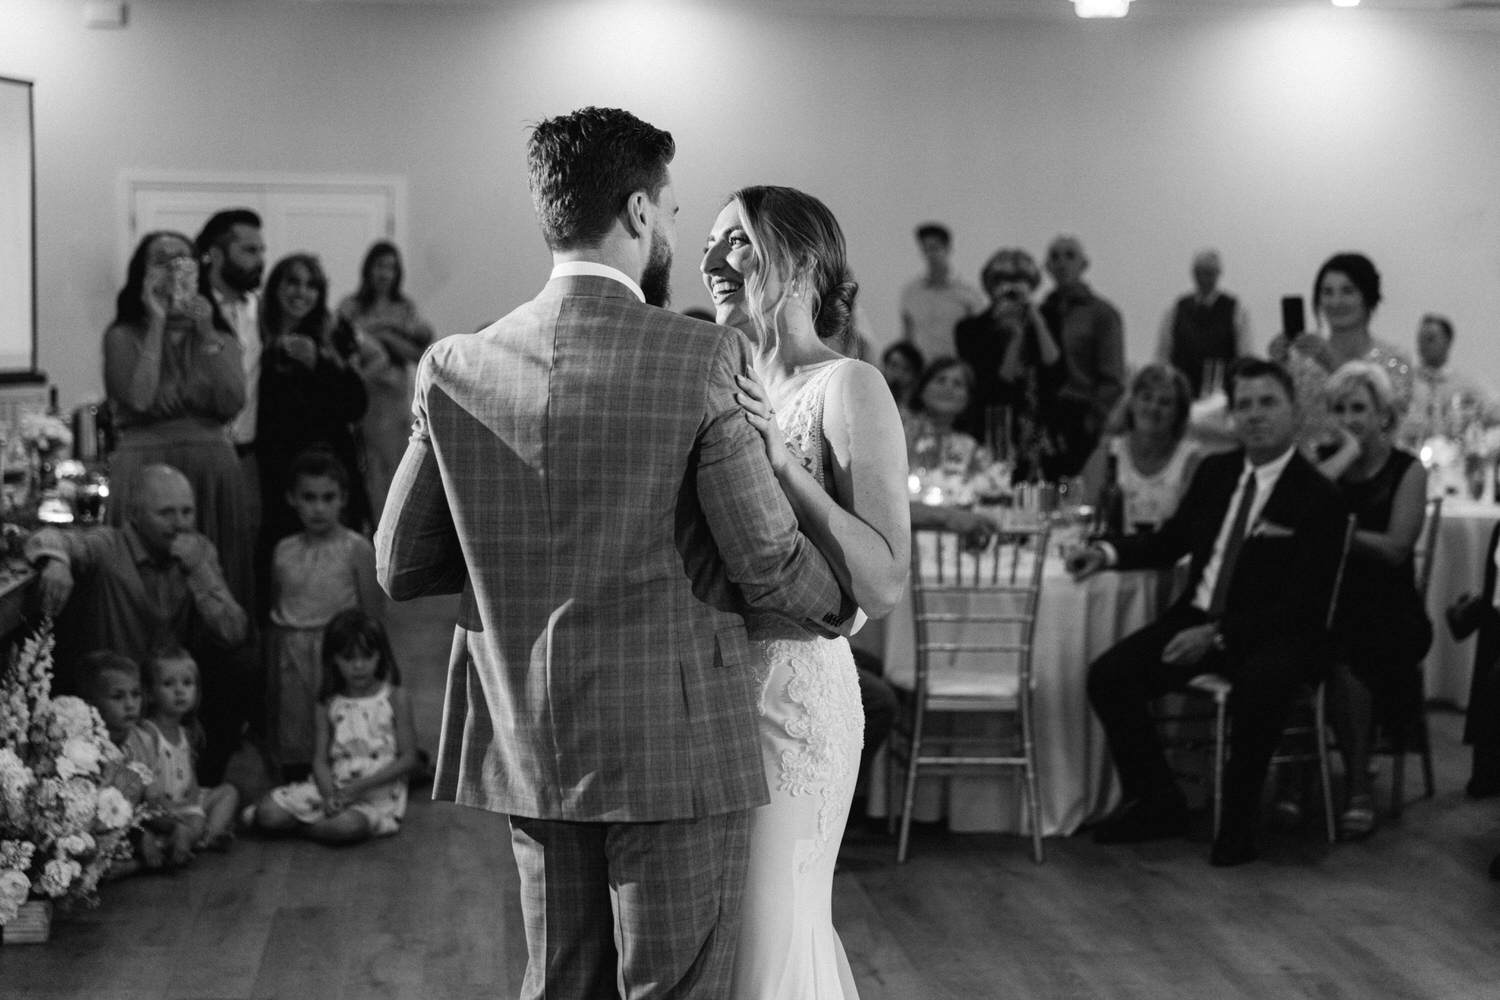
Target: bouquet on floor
<point>64,819</point>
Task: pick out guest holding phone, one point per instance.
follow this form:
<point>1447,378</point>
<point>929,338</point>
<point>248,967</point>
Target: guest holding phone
<point>173,382</point>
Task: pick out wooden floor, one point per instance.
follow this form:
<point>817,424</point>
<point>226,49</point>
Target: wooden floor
<point>432,913</point>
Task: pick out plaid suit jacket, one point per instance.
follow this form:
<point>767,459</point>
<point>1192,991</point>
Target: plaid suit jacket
<point>581,471</point>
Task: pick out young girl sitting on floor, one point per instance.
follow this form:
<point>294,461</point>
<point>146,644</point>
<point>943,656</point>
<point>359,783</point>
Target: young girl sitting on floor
<point>366,744</point>
<point>318,572</point>
<point>205,817</point>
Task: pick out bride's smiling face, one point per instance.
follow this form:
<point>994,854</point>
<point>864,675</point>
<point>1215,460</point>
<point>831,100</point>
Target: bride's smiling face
<point>730,265</point>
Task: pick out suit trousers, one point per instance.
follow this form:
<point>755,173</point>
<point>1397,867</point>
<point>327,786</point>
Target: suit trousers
<point>679,885</point>
<point>1123,682</point>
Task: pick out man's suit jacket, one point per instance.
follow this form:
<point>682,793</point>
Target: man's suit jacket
<point>580,469</point>
<point>1284,578</point>
<point>1482,720</point>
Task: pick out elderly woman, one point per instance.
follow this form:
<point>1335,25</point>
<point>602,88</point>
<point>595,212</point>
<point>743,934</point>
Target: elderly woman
<point>1017,364</point>
<point>1154,458</point>
<point>1383,628</point>
<point>173,382</point>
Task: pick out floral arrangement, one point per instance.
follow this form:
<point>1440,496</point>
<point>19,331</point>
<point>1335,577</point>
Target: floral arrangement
<point>65,813</point>
<point>45,432</point>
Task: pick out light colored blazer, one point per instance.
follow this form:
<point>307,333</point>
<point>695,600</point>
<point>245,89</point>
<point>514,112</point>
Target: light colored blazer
<point>581,471</point>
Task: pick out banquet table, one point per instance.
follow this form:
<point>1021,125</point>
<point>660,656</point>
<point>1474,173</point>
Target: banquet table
<point>1075,623</point>
<point>1457,567</point>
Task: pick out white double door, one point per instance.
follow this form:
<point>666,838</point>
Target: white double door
<point>335,217</point>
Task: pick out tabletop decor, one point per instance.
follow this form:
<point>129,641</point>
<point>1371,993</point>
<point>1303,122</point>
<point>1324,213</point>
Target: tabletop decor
<point>64,811</point>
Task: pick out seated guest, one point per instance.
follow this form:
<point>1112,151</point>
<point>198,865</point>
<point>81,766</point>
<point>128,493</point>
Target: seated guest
<point>1154,458</point>
<point>173,381</point>
<point>1018,366</point>
<point>1264,531</point>
<point>1443,400</point>
<point>154,583</point>
<point>941,399</point>
<point>311,391</point>
<point>901,364</point>
<point>1482,721</point>
<point>1383,628</point>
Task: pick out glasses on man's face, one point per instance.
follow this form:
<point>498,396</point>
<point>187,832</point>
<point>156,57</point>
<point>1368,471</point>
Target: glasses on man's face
<point>1066,253</point>
<point>1006,278</point>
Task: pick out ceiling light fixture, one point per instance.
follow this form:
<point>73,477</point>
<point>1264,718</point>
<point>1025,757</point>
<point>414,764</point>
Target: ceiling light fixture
<point>1346,3</point>
<point>1102,8</point>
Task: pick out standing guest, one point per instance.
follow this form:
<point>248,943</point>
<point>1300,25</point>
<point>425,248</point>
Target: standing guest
<point>1155,459</point>
<point>1264,530</point>
<point>1383,627</point>
<point>173,381</point>
<point>311,391</point>
<point>381,311</point>
<point>232,259</point>
<point>1442,399</point>
<point>154,583</point>
<point>901,364</point>
<point>1205,325</point>
<point>535,482</point>
<point>315,573</point>
<point>1480,613</point>
<point>932,305</point>
<point>1092,338</point>
<point>1018,367</point>
<point>204,816</point>
<point>366,745</point>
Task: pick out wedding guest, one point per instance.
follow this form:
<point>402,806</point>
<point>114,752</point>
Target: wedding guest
<point>311,391</point>
<point>317,572</point>
<point>1383,628</point>
<point>1155,459</point>
<point>932,304</point>
<point>1443,400</point>
<point>1206,325</point>
<point>1018,368</point>
<point>366,744</point>
<point>901,364</point>
<point>155,582</point>
<point>173,381</point>
<point>938,451</point>
<point>1091,334</point>
<point>1468,614</point>
<point>204,816</point>
<point>381,310</point>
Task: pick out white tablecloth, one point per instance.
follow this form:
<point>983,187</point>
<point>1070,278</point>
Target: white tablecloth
<point>1075,623</point>
<point>1458,567</point>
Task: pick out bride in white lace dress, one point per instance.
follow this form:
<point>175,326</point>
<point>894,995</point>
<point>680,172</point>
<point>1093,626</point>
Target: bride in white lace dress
<point>775,266</point>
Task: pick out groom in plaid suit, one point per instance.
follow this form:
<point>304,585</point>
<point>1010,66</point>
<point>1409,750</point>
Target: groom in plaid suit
<point>580,470</point>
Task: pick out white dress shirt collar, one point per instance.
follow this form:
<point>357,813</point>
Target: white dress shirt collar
<point>575,268</point>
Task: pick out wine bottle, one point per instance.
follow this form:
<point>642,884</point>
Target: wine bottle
<point>1109,512</point>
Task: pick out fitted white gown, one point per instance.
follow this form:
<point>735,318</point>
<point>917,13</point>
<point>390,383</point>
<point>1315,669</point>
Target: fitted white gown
<point>811,734</point>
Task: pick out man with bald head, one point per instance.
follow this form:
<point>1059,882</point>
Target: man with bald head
<point>1091,334</point>
<point>152,584</point>
<point>1205,325</point>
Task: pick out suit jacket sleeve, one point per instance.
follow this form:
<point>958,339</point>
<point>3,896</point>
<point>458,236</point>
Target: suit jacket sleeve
<point>1174,538</point>
<point>775,567</point>
<point>417,552</point>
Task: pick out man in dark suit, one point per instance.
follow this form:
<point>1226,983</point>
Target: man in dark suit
<point>1264,530</point>
<point>580,469</point>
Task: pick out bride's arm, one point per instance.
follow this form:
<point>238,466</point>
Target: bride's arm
<point>868,544</point>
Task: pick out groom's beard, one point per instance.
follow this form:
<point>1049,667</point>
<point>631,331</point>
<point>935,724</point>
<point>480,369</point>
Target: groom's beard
<point>656,281</point>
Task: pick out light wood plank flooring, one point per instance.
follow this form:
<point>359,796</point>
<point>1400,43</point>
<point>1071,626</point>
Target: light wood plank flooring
<point>432,913</point>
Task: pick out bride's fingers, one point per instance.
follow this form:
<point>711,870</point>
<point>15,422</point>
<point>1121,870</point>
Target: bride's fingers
<point>751,405</point>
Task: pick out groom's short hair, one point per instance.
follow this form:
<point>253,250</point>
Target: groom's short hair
<point>583,166</point>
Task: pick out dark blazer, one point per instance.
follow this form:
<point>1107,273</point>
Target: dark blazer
<point>1284,578</point>
<point>581,470</point>
<point>1482,724</point>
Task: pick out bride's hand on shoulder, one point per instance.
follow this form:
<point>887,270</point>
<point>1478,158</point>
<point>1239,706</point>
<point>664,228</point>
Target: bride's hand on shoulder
<point>756,402</point>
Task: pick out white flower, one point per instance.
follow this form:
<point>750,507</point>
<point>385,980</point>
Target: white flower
<point>72,717</point>
<point>82,755</point>
<point>14,888</point>
<point>75,844</point>
<point>114,811</point>
<point>57,875</point>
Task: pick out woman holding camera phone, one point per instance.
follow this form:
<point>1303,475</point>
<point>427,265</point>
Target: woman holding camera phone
<point>173,382</point>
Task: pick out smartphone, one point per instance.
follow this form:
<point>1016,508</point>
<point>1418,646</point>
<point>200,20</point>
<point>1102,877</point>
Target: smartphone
<point>184,282</point>
<point>1293,315</point>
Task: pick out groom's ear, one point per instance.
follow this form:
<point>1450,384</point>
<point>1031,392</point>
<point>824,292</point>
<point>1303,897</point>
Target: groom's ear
<point>638,209</point>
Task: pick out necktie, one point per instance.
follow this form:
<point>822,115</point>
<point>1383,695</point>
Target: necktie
<point>1232,546</point>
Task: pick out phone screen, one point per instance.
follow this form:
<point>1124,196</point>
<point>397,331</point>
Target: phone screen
<point>1293,315</point>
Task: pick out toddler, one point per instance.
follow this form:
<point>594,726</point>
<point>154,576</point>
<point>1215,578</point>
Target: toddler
<point>366,744</point>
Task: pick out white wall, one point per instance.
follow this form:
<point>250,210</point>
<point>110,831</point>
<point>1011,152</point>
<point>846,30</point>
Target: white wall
<point>1280,136</point>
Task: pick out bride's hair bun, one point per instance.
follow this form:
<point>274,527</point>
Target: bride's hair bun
<point>835,320</point>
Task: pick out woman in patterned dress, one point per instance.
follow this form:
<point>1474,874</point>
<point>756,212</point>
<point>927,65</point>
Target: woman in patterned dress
<point>775,266</point>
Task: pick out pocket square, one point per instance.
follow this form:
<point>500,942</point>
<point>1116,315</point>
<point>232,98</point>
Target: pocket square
<point>1270,529</point>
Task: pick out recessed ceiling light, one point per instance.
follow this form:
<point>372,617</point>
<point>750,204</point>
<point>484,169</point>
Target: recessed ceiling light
<point>1101,8</point>
<point>1346,3</point>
